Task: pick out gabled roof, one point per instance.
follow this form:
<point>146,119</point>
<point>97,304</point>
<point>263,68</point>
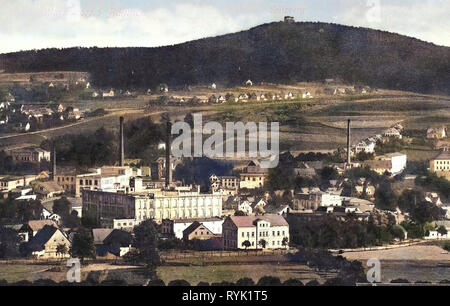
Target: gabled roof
<point>42,237</point>
<point>100,234</point>
<point>443,156</point>
<point>36,225</point>
<point>248,221</point>
<point>193,227</point>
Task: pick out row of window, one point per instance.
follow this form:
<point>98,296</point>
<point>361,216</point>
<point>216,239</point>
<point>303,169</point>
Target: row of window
<point>264,234</point>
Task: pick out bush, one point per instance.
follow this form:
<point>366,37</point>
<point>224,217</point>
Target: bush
<point>292,282</point>
<point>245,282</point>
<point>178,282</point>
<point>269,281</point>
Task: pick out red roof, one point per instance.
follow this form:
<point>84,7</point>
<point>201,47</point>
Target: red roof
<point>248,221</point>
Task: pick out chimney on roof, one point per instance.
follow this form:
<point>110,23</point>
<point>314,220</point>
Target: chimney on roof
<point>53,158</point>
<point>121,149</point>
<point>168,176</point>
<point>348,143</point>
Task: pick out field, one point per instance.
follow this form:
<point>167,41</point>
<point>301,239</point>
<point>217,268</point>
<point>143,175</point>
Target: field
<point>317,124</point>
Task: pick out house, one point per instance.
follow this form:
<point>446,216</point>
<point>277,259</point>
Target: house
<point>246,207</point>
<point>441,165</point>
<point>228,185</point>
<point>436,133</point>
<point>109,94</point>
<point>315,199</point>
<point>198,231</point>
<point>254,176</point>
<point>213,86</point>
<point>47,189</point>
<point>307,95</point>
<point>365,146</point>
<point>255,232</point>
<point>30,155</point>
<point>124,224</point>
<point>433,198</point>
<point>34,226</point>
<point>397,159</point>
<point>249,83</point>
<point>111,242</point>
<point>393,132</point>
<point>46,242</point>
<point>304,170</point>
<point>289,19</point>
<point>435,234</point>
<point>178,226</point>
<point>369,190</point>
<point>379,166</point>
<point>281,210</point>
<point>94,94</point>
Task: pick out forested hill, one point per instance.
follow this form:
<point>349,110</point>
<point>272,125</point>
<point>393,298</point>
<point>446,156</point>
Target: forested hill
<point>275,52</point>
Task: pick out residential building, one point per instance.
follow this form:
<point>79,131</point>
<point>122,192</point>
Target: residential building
<point>397,159</point>
<point>30,155</point>
<point>365,146</point>
<point>261,232</point>
<point>176,227</point>
<point>314,200</point>
<point>198,231</point>
<point>8,183</point>
<point>107,206</point>
<point>441,165</point>
<point>105,178</point>
<point>45,244</point>
<point>48,189</point>
<point>254,176</point>
<point>436,133</point>
<point>393,132</point>
<point>226,185</point>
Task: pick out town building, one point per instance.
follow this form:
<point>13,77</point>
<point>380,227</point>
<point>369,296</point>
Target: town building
<point>107,206</point>
<point>314,200</point>
<point>441,165</point>
<point>254,176</point>
<point>176,227</point>
<point>8,182</point>
<point>48,189</point>
<point>198,231</point>
<point>226,185</point>
<point>46,242</point>
<point>107,178</point>
<point>436,133</point>
<point>30,155</point>
<point>261,232</point>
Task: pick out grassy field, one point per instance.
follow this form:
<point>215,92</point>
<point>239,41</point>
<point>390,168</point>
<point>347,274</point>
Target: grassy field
<point>231,273</point>
<point>317,124</point>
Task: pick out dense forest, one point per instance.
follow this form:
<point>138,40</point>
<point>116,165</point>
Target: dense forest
<point>274,52</point>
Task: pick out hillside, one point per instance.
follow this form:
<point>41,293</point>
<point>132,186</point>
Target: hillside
<point>275,52</point>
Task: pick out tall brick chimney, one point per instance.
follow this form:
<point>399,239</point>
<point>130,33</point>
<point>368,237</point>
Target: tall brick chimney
<point>53,158</point>
<point>168,176</point>
<point>121,149</point>
<point>348,142</point>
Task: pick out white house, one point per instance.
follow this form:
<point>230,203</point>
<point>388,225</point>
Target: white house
<point>176,227</point>
<point>255,232</point>
<point>245,207</point>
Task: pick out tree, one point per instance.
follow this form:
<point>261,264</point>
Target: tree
<point>262,243</point>
<point>62,207</point>
<point>269,281</point>
<point>9,242</point>
<point>61,249</point>
<point>385,197</point>
<point>83,245</point>
<point>145,241</point>
<point>246,244</point>
<point>189,119</point>
<point>442,230</point>
<point>285,241</point>
<point>239,213</point>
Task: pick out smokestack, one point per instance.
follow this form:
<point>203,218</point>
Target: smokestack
<point>348,142</point>
<point>168,176</point>
<point>121,149</point>
<point>53,158</point>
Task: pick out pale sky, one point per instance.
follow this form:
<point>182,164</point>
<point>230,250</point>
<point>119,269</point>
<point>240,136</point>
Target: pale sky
<point>36,24</point>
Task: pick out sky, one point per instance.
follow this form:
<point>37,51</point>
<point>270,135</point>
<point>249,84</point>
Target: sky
<point>37,24</point>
